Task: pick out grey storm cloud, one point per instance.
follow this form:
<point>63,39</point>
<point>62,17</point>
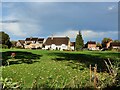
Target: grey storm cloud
<point>43,19</point>
<point>10,21</point>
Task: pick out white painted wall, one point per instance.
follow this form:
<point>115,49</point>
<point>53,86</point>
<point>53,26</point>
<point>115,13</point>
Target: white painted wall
<point>63,46</point>
<point>18,44</point>
<point>47,46</point>
<point>72,48</point>
<point>54,47</point>
<point>116,47</point>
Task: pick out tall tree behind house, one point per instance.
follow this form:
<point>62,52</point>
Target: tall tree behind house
<point>79,42</point>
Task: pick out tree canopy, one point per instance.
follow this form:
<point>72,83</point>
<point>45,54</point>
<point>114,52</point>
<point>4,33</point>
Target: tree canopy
<point>79,42</point>
<point>5,39</point>
<point>105,40</point>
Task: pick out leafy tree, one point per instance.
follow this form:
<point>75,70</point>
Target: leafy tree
<point>105,40</point>
<point>5,39</point>
<point>79,42</point>
<point>9,44</point>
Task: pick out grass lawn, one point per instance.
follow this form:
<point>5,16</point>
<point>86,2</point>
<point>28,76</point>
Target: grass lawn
<point>55,69</point>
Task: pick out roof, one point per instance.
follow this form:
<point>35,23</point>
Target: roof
<point>40,39</point>
<point>115,44</point>
<point>22,41</point>
<point>27,39</point>
<point>91,42</point>
<point>34,39</point>
<point>72,43</point>
<point>57,40</point>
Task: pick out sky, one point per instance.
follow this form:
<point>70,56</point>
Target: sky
<point>95,20</point>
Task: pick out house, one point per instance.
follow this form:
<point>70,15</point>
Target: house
<point>31,40</point>
<point>20,43</point>
<point>108,44</point>
<point>115,45</point>
<point>91,45</point>
<point>72,45</point>
<point>57,43</point>
<point>34,43</point>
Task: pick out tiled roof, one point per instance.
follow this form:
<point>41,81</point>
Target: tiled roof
<point>34,39</point>
<point>115,44</point>
<point>22,41</point>
<point>57,40</point>
<point>91,42</point>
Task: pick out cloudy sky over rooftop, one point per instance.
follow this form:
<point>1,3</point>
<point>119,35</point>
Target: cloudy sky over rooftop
<point>96,20</point>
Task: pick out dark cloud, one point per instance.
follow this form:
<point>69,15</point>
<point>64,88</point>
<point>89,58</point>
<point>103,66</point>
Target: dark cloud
<point>44,19</point>
<point>10,21</point>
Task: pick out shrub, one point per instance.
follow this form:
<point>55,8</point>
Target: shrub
<point>3,46</point>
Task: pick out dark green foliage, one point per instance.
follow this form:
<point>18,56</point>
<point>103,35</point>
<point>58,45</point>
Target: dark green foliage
<point>79,42</point>
<point>21,57</point>
<point>9,44</point>
<point>5,39</point>
<point>3,46</point>
<point>106,40</point>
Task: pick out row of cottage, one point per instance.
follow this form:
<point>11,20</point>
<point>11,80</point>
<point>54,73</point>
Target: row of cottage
<point>57,43</point>
<point>53,43</point>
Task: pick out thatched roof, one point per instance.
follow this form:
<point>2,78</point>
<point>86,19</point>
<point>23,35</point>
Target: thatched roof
<point>57,40</point>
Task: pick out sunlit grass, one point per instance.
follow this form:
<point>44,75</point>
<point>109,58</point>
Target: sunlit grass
<point>53,72</point>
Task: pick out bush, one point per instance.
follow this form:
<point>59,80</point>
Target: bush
<point>3,46</point>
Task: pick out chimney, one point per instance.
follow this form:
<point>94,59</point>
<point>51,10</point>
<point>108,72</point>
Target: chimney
<point>52,37</point>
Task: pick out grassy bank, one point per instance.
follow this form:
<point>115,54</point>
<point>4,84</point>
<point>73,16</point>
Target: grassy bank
<point>56,69</point>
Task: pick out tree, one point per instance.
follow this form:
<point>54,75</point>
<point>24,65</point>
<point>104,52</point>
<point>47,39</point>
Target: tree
<point>79,42</point>
<point>106,40</point>
<point>5,39</point>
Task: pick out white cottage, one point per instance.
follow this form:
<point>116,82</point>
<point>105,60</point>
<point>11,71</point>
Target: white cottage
<point>20,43</point>
<point>57,43</point>
<point>34,43</point>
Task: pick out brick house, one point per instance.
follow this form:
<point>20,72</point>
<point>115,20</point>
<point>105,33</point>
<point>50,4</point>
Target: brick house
<point>91,45</point>
<point>115,45</point>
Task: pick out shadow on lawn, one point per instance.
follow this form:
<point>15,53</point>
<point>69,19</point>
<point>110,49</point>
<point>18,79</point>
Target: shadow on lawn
<point>83,58</point>
<point>21,57</point>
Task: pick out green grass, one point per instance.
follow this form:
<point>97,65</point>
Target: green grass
<point>54,69</point>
